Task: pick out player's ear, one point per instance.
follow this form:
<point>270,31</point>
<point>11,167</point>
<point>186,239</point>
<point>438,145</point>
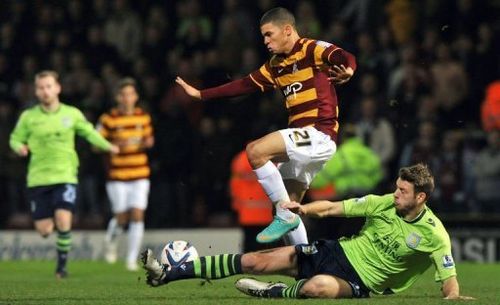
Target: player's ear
<point>288,29</point>
<point>421,197</point>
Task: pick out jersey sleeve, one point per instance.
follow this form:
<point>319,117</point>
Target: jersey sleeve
<point>235,88</point>
<point>328,53</point>
<point>442,259</point>
<point>367,205</point>
<point>263,78</point>
<point>19,135</point>
<point>85,129</point>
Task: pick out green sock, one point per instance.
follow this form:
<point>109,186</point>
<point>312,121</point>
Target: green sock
<point>207,267</point>
<point>217,266</point>
<point>63,245</point>
<point>292,292</point>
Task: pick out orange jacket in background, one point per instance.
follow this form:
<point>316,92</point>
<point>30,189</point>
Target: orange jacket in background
<point>248,198</point>
<point>490,109</point>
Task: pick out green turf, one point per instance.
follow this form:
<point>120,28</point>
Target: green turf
<point>99,283</point>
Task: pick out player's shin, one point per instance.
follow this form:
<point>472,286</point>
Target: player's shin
<point>297,236</point>
<point>63,246</point>
<point>272,183</point>
<point>207,267</point>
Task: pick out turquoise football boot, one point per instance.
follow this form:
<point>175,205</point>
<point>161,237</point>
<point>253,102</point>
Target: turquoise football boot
<point>277,229</point>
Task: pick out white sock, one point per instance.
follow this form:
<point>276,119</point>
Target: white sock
<point>272,183</point>
<point>297,236</point>
<point>114,230</point>
<point>135,233</point>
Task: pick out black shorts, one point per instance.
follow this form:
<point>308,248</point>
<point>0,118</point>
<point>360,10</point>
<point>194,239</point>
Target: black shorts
<point>328,257</point>
<point>44,200</point>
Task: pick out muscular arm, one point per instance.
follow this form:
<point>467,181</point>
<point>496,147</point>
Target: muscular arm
<point>317,209</point>
<point>451,290</point>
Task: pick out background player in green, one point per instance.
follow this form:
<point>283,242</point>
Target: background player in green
<point>400,240</point>
<point>46,132</point>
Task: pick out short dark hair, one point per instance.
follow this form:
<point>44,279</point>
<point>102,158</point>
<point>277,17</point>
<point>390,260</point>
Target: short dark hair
<point>125,82</point>
<point>47,73</point>
<point>420,176</point>
<point>278,16</point>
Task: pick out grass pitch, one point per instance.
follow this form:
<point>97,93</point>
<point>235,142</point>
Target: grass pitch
<point>33,282</point>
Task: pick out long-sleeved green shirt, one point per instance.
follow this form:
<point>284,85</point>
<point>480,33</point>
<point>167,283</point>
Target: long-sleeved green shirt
<point>50,137</point>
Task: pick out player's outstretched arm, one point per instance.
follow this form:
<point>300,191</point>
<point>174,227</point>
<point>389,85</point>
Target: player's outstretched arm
<point>451,290</point>
<point>317,209</point>
<point>190,90</point>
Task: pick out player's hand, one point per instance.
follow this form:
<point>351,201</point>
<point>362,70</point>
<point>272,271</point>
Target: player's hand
<point>460,297</point>
<point>115,149</point>
<point>190,90</point>
<point>339,74</point>
<point>295,207</point>
<point>148,142</point>
<point>23,151</point>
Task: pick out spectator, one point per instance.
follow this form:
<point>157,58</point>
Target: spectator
<point>487,174</point>
<point>123,30</point>
<point>354,170</point>
<point>377,133</point>
<point>490,108</point>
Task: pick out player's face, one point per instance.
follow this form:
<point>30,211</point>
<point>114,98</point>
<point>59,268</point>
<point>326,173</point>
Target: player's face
<point>47,90</point>
<point>127,97</point>
<point>405,199</point>
<point>275,37</point>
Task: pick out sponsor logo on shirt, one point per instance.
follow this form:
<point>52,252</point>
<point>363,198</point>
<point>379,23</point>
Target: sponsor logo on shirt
<point>448,261</point>
<point>413,240</point>
<point>292,89</point>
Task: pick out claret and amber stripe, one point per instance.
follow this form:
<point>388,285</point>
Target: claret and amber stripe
<point>130,131</point>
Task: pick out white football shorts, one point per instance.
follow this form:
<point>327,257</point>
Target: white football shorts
<point>308,150</point>
<point>125,195</point>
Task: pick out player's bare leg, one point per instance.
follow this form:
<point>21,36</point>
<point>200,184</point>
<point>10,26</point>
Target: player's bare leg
<point>260,153</point>
<point>44,227</point>
<point>319,286</point>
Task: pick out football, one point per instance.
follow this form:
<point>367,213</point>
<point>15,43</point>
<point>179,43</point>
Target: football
<point>175,253</point>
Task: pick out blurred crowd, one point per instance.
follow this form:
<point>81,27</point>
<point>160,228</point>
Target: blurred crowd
<point>426,69</point>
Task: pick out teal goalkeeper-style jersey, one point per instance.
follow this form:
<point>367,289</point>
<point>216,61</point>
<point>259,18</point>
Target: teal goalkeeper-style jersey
<point>50,137</point>
<point>389,254</point>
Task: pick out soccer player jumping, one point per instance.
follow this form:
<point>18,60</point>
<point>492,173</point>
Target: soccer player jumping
<point>299,67</point>
<point>400,240</point>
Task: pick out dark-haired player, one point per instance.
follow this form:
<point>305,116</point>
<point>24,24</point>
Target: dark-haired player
<point>400,240</point>
<point>299,68</point>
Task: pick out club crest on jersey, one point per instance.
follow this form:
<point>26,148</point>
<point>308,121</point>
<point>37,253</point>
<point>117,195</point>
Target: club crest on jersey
<point>66,122</point>
<point>413,240</point>
<point>294,68</point>
<point>448,261</point>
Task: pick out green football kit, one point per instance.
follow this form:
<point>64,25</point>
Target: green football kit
<point>389,254</point>
<point>50,137</point>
